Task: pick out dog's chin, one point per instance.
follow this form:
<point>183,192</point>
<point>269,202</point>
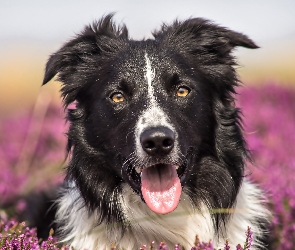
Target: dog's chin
<point>159,185</point>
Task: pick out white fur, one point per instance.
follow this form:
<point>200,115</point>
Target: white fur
<point>149,76</point>
<point>153,115</point>
<point>180,226</point>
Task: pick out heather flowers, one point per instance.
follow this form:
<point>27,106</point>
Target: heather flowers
<point>249,239</point>
<point>32,150</point>
<point>16,236</point>
<point>269,123</point>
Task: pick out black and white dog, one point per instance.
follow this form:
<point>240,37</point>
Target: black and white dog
<point>155,141</point>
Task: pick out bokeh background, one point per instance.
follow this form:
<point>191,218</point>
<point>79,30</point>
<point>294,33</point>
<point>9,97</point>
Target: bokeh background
<point>31,30</point>
<point>32,129</point>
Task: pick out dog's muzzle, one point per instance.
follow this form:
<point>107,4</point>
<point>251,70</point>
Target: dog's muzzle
<point>160,184</point>
<point>158,179</point>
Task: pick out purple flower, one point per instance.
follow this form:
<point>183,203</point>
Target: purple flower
<point>269,123</point>
<point>226,246</point>
<point>177,247</point>
<point>249,239</point>
<point>31,145</point>
<point>162,246</point>
<point>202,245</point>
<point>16,236</point>
<point>239,247</point>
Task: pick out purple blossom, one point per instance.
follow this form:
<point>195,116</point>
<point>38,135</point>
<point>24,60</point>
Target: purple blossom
<point>226,246</point>
<point>177,247</point>
<point>202,245</point>
<point>269,120</point>
<point>31,145</point>
<point>162,246</point>
<point>249,239</point>
<point>239,247</point>
<point>16,236</point>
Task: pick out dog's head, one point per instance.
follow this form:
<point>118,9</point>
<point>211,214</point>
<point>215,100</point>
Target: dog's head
<point>157,114</point>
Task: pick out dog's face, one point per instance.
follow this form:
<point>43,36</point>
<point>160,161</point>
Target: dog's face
<point>148,115</point>
<point>155,114</point>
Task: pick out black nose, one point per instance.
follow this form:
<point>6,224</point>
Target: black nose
<point>157,141</point>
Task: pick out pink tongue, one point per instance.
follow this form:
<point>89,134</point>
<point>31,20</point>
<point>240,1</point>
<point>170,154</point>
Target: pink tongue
<point>161,188</point>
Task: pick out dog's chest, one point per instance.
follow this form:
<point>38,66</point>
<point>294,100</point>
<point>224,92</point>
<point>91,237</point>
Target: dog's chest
<point>178,227</point>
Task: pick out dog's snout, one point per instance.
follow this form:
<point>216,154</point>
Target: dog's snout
<point>157,141</point>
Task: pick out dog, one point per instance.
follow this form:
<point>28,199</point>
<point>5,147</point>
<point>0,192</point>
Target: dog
<point>155,139</point>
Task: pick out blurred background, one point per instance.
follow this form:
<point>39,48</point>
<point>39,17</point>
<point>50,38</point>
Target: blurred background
<point>31,30</point>
<point>32,129</point>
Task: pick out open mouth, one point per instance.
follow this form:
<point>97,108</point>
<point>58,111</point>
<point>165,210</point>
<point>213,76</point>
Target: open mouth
<point>159,185</point>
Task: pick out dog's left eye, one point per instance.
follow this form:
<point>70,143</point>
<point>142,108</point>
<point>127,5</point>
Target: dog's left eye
<point>117,97</point>
<point>182,91</point>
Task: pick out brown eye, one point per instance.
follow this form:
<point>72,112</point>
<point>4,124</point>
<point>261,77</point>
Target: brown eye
<point>117,97</point>
<point>182,91</point>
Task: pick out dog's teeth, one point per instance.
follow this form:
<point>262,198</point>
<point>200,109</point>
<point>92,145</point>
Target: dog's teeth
<point>138,170</point>
<point>177,167</point>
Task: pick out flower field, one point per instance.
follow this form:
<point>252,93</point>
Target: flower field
<point>32,155</point>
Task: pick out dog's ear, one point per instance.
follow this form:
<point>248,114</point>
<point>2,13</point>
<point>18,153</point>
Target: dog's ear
<point>89,42</point>
<point>198,36</point>
<point>81,57</point>
<point>211,33</point>
<point>237,39</point>
<point>69,56</point>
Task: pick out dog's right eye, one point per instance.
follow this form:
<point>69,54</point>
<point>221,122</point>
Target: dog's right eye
<point>117,97</point>
<point>182,91</point>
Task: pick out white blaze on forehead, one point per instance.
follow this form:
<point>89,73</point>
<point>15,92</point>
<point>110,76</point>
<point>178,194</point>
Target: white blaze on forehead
<point>149,76</point>
<point>153,115</point>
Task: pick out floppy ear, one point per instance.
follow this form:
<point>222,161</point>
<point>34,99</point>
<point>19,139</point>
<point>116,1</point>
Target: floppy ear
<point>71,54</point>
<point>238,39</point>
<point>77,61</point>
<point>211,31</point>
<point>203,33</point>
<point>72,63</point>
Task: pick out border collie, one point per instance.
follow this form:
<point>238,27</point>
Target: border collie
<point>155,142</point>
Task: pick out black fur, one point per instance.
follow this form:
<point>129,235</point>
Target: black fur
<point>103,59</point>
<point>40,212</point>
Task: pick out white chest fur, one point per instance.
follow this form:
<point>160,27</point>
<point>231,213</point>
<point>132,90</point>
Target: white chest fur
<point>180,226</point>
